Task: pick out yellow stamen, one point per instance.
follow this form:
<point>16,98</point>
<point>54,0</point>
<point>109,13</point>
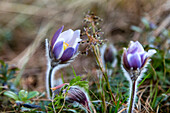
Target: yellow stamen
<point>65,45</point>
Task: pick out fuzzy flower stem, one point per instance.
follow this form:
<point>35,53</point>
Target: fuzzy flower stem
<point>49,81</point>
<point>134,62</point>
<point>132,96</point>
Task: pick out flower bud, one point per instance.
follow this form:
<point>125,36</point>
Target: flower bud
<point>108,55</point>
<point>76,94</point>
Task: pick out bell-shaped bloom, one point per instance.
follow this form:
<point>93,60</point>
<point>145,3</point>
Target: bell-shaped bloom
<point>76,94</point>
<point>64,45</point>
<point>135,57</point>
<point>108,55</point>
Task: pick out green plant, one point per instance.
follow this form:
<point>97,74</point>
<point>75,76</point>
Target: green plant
<point>22,100</point>
<point>23,96</point>
<point>7,74</point>
<point>59,103</point>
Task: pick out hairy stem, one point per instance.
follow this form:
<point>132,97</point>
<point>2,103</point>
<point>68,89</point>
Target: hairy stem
<point>132,96</point>
<point>49,82</point>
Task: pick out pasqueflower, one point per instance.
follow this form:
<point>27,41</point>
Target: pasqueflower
<point>60,53</point>
<point>76,94</point>
<point>135,57</point>
<point>134,61</point>
<point>64,45</point>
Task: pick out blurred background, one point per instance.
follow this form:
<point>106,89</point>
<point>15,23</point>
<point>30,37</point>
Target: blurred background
<point>25,24</point>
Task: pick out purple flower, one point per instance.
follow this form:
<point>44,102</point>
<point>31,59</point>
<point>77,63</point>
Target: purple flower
<point>135,57</point>
<point>64,45</point>
<point>76,94</point>
<point>108,54</point>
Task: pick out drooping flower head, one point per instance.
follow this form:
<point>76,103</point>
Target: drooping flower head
<point>76,94</point>
<point>64,45</point>
<point>135,57</point>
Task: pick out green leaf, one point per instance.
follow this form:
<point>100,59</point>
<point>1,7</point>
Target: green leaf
<point>11,95</point>
<point>145,22</point>
<point>6,69</point>
<point>137,29</point>
<point>32,94</point>
<point>144,79</point>
<point>2,62</point>
<point>74,80</point>
<point>59,100</point>
<point>23,95</point>
<point>83,84</point>
<point>74,72</point>
<point>153,104</point>
<point>11,75</point>
<point>165,32</point>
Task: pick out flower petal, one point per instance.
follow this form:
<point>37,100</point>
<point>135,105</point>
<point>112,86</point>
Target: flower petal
<point>57,33</point>
<point>58,50</point>
<point>134,60</point>
<point>135,47</point>
<point>66,35</point>
<point>151,52</point>
<point>76,48</point>
<point>75,39</point>
<point>68,53</point>
<point>143,56</point>
<point>125,61</point>
<point>140,47</point>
